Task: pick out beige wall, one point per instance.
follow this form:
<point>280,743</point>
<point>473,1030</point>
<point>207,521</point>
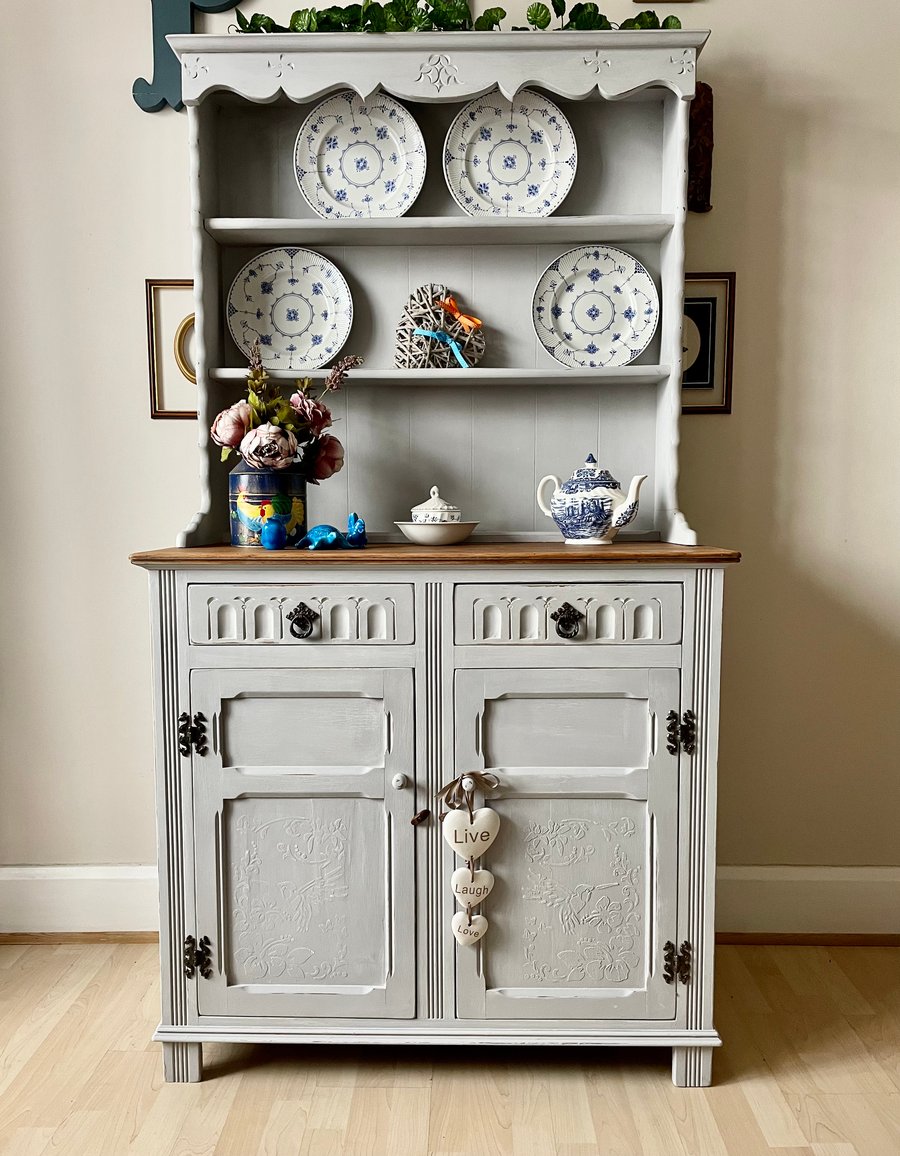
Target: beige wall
<point>803,476</point>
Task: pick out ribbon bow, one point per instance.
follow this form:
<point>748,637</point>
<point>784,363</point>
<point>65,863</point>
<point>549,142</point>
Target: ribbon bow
<point>445,339</point>
<point>466,320</point>
<point>454,795</point>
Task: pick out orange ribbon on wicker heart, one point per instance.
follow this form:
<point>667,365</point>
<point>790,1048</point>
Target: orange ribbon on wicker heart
<point>466,320</point>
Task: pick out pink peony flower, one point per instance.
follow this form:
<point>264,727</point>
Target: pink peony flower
<point>268,447</point>
<point>311,412</point>
<point>330,458</point>
<point>231,425</point>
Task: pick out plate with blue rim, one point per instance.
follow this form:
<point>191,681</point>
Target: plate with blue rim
<point>295,303</point>
<point>510,158</point>
<point>359,158</point>
<point>595,306</point>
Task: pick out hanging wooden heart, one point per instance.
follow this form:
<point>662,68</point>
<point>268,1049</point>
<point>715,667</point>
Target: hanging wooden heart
<point>470,838</point>
<point>471,887</point>
<point>468,933</point>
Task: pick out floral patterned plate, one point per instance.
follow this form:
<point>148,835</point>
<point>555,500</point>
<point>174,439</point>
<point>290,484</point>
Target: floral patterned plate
<point>510,158</point>
<point>595,306</point>
<point>295,303</point>
<point>356,158</point>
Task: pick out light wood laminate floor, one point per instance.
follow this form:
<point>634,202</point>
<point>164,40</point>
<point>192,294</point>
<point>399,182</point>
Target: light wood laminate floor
<point>810,1067</point>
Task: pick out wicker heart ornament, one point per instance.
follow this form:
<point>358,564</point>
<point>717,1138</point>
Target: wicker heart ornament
<point>434,332</point>
<point>470,838</point>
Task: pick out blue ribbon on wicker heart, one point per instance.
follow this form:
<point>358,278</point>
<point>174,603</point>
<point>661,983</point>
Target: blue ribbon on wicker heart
<point>445,339</point>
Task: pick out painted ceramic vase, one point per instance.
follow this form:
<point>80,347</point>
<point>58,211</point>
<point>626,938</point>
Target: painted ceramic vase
<point>267,507</point>
<point>590,508</point>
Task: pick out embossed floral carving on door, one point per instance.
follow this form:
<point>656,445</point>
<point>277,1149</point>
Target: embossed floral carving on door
<point>586,859</point>
<point>303,850</point>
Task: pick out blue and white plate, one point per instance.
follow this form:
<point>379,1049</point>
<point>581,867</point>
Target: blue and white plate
<point>508,158</point>
<point>356,158</point>
<point>295,303</point>
<point>595,306</point>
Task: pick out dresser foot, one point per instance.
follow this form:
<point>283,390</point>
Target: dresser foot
<point>183,1063</point>
<point>692,1067</point>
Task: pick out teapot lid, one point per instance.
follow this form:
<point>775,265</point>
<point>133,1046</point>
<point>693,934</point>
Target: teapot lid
<point>589,477</point>
<point>436,502</point>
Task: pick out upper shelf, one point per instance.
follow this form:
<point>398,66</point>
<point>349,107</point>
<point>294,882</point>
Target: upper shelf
<point>477,376</point>
<point>438,67</point>
<point>437,230</point>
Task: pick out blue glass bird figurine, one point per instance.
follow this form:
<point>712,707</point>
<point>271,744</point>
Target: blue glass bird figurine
<point>331,538</point>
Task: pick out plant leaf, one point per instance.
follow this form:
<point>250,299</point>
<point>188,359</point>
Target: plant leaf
<point>538,16</point>
<point>489,20</point>
<point>671,23</point>
<point>304,20</point>
<point>647,19</point>
<point>374,19</point>
<point>559,8</point>
<point>451,15</point>
<point>244,25</point>
<point>226,453</point>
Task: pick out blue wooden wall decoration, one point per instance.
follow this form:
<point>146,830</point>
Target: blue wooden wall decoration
<point>170,17</point>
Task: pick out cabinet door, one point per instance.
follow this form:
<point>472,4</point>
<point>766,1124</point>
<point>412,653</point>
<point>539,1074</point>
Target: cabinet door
<point>586,859</point>
<point>303,848</point>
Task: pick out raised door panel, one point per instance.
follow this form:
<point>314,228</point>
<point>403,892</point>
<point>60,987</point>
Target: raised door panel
<point>586,859</point>
<point>303,848</point>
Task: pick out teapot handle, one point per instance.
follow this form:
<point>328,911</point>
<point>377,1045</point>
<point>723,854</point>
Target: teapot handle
<point>540,492</point>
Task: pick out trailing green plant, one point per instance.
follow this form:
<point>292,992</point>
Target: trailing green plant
<point>446,16</point>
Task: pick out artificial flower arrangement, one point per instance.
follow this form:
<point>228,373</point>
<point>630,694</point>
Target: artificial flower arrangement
<point>272,432</point>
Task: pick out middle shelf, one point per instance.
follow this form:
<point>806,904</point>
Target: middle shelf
<point>619,375</point>
<point>439,230</point>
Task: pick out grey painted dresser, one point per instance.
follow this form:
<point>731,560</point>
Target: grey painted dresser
<point>301,903</point>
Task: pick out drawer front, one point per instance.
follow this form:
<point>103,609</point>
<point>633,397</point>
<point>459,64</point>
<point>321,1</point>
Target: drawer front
<point>237,615</point>
<point>522,615</point>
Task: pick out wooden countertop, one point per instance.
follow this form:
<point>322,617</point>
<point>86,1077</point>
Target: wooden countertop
<point>467,554</point>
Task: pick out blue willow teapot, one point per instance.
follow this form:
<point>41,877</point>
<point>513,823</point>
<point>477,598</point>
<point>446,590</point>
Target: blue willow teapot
<point>590,508</point>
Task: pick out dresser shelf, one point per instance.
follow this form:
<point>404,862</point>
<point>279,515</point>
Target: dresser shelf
<point>440,230</point>
<point>557,377</point>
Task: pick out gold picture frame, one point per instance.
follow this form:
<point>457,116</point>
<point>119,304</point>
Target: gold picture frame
<point>169,334</point>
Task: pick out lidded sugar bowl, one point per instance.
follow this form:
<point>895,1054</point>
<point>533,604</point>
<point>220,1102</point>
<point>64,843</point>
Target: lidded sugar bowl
<point>435,509</point>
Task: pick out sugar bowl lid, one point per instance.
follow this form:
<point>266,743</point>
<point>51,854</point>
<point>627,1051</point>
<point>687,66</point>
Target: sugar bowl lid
<point>435,505</point>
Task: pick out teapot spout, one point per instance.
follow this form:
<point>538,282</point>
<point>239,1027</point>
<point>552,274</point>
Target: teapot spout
<point>634,489</point>
<point>626,511</point>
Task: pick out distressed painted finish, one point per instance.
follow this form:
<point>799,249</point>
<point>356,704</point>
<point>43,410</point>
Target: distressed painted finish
<point>438,66</point>
<point>626,96</point>
<point>605,845</point>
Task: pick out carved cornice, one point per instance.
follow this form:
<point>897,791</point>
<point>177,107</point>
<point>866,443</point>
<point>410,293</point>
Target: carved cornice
<point>438,66</point>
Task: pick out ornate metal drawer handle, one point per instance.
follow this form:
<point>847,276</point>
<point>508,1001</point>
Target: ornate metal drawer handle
<point>301,619</point>
<point>568,620</point>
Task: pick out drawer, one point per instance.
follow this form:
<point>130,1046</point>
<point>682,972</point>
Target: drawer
<point>499,614</point>
<point>236,614</point>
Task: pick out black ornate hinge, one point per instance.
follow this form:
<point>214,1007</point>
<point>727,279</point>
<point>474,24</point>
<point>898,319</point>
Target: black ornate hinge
<point>567,619</point>
<point>681,735</point>
<point>301,619</point>
<point>192,733</point>
<point>677,964</point>
<point>197,957</point>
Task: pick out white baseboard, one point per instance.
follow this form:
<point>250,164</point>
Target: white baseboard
<point>760,899</point>
<point>103,898</point>
<point>808,900</point>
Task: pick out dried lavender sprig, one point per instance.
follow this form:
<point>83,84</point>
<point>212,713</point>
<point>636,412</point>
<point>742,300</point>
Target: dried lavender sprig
<point>338,373</point>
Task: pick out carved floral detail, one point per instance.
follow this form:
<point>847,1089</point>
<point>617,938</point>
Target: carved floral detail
<point>438,70</point>
<point>261,907</point>
<point>193,66</point>
<point>684,62</point>
<point>596,62</point>
<point>277,65</point>
<point>611,908</point>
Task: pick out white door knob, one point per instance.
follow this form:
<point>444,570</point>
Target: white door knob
<point>398,782</point>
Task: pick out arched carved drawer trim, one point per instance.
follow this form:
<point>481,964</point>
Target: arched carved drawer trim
<point>613,613</point>
<point>220,615</point>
